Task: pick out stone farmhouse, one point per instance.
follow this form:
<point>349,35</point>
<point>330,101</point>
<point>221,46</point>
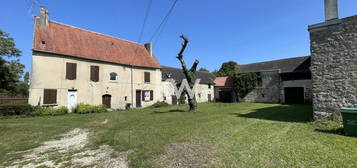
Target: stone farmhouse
<point>71,65</point>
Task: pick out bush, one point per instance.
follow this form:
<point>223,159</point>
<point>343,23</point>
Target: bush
<point>159,104</point>
<point>42,111</point>
<point>86,108</point>
<point>15,109</point>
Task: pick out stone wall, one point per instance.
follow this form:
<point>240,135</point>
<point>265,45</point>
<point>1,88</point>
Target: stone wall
<point>334,66</point>
<point>268,92</point>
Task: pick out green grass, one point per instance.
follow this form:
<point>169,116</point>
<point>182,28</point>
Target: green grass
<point>237,135</point>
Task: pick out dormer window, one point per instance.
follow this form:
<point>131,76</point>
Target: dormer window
<point>113,76</point>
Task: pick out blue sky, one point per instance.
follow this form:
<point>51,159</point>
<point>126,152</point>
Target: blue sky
<point>245,31</point>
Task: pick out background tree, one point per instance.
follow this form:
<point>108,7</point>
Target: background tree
<point>190,74</point>
<point>11,70</point>
<point>202,69</point>
<point>227,69</point>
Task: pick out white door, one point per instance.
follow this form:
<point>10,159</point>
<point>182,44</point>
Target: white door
<point>72,99</point>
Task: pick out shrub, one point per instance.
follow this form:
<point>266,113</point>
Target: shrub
<point>86,108</point>
<point>159,104</point>
<point>41,111</point>
<point>15,109</point>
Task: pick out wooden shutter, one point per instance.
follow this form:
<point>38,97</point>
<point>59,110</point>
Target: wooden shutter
<point>151,95</point>
<point>71,71</point>
<point>147,77</point>
<point>94,73</point>
<point>50,96</point>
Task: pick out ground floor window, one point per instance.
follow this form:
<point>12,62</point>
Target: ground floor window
<point>148,95</point>
<point>50,96</point>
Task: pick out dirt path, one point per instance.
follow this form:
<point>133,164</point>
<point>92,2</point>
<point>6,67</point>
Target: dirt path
<point>70,151</point>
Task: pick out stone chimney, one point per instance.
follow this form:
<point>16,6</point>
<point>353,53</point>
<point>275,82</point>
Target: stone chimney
<point>331,10</point>
<point>43,18</point>
<point>148,47</point>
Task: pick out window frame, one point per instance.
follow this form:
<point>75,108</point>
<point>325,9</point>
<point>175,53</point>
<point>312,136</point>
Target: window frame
<point>147,77</point>
<point>116,77</point>
<point>71,71</point>
<point>48,96</point>
<point>94,73</point>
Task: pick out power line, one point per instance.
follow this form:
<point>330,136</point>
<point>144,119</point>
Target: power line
<point>159,29</point>
<point>145,20</point>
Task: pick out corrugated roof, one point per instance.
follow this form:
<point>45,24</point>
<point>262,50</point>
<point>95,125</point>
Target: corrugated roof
<point>178,75</point>
<point>297,64</point>
<point>224,81</point>
<point>63,39</point>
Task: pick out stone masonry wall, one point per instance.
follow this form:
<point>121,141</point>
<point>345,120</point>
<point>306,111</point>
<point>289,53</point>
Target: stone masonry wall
<point>268,92</point>
<point>334,66</point>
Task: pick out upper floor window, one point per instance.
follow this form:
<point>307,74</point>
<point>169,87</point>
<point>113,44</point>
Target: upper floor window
<point>113,76</point>
<point>94,73</point>
<point>147,77</point>
<point>71,71</point>
<point>209,86</point>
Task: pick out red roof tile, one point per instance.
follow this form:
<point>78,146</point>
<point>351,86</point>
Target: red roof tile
<point>223,81</point>
<point>68,40</point>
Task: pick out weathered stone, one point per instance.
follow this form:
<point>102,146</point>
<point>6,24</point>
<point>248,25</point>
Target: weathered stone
<point>333,67</point>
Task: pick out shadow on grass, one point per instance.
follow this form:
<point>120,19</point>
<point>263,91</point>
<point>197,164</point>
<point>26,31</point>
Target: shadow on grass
<point>285,113</point>
<point>169,111</point>
<point>338,131</point>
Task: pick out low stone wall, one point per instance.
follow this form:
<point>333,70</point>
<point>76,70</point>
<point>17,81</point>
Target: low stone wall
<point>334,66</point>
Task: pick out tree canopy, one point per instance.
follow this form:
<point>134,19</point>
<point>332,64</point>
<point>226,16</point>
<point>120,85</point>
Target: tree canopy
<point>11,70</point>
<point>229,68</point>
<point>202,69</point>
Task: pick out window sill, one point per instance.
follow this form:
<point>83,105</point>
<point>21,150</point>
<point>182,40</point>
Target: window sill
<point>112,81</point>
<point>49,105</point>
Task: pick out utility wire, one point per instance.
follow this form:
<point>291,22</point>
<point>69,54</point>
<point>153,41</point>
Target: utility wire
<point>159,29</point>
<point>145,20</point>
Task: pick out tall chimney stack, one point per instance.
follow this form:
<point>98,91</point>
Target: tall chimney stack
<point>331,10</point>
<point>43,18</point>
<point>148,47</point>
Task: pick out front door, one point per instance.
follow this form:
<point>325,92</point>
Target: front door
<point>72,99</point>
<point>138,98</point>
<point>174,100</point>
<point>209,98</point>
<point>106,100</point>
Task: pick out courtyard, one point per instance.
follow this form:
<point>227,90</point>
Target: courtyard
<point>218,135</point>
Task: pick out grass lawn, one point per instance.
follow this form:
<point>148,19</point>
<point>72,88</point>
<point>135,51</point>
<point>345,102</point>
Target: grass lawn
<point>219,135</point>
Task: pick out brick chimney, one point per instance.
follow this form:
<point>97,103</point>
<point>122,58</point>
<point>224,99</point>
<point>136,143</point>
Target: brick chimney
<point>331,10</point>
<point>43,18</point>
<point>148,47</point>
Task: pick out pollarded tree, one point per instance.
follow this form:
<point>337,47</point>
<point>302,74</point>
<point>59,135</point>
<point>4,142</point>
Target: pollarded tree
<point>190,74</point>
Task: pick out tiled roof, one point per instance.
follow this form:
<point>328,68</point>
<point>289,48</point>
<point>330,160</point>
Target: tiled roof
<point>297,64</point>
<point>63,39</point>
<point>177,75</point>
<point>224,81</point>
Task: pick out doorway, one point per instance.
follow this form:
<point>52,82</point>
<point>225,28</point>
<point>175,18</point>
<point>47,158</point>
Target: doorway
<point>174,99</point>
<point>294,95</point>
<point>138,98</point>
<point>72,99</point>
<point>106,100</point>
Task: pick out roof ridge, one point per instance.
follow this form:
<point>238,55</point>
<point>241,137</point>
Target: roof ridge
<point>90,31</point>
<point>273,60</point>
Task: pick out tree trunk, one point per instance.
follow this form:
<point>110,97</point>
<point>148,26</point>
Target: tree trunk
<point>189,74</point>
